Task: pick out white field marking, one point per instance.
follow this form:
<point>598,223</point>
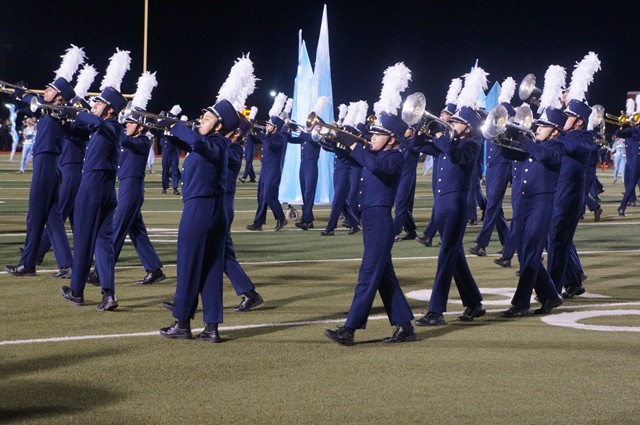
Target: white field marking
<point>570,320</point>
<point>505,293</point>
<point>277,325</point>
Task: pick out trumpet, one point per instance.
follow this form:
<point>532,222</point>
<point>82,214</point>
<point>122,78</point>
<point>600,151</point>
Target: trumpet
<point>319,130</point>
<point>528,92</point>
<point>12,88</point>
<point>151,120</point>
<point>413,111</point>
<point>622,119</point>
<point>58,111</point>
<point>501,131</point>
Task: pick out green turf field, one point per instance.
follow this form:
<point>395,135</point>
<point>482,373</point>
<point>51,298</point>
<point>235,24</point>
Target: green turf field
<point>61,364</point>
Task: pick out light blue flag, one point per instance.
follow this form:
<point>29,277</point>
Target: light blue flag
<point>490,102</point>
<point>290,181</point>
<point>322,87</point>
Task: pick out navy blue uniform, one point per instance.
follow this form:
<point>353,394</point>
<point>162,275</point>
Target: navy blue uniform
<point>309,154</point>
<point>270,173</point>
<point>568,203</point>
<point>403,217</point>
<point>170,163</point>
<point>346,179</point>
<point>632,170</point>
<point>456,162</point>
<point>513,240</point>
<point>249,152</point>
<point>476,198</point>
<point>498,174</point>
<point>128,218</point>
<point>239,280</point>
<point>96,202</point>
<point>203,227</point>
<point>430,229</point>
<point>43,195</point>
<point>380,177</point>
<point>533,216</point>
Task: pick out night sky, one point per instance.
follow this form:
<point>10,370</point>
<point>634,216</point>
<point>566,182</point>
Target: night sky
<point>193,44</point>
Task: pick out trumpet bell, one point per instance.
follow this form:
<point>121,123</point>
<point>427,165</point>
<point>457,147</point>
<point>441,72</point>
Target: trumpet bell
<point>495,123</point>
<point>527,91</point>
<point>524,117</point>
<point>413,108</point>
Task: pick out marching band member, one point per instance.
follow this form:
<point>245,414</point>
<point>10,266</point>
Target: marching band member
<point>344,171</point>
<point>382,167</point>
<point>96,199</point>
<point>43,194</point>
<point>632,148</point>
<point>445,114</point>
<point>498,174</point>
<point>542,160</point>
<point>170,158</point>
<point>249,151</point>
<point>403,214</point>
<point>127,219</point>
<point>457,153</point>
<point>273,143</point>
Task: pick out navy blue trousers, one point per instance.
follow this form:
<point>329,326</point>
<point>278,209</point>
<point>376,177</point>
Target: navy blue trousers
<point>248,158</point>
<point>93,229</point>
<point>431,229</point>
<point>201,237</point>
<point>533,219</point>
<point>128,220</point>
<point>497,179</point>
<point>451,221</point>
<point>341,189</point>
<point>308,183</point>
<point>513,240</point>
<point>237,276</point>
<point>376,272</point>
<point>170,168</point>
<point>43,210</point>
<point>403,217</point>
<point>268,197</point>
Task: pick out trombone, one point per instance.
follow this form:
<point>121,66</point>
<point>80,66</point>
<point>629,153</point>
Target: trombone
<point>12,88</point>
<point>622,119</point>
<point>151,120</point>
<point>319,130</point>
<point>414,111</point>
<point>58,111</point>
<point>501,131</point>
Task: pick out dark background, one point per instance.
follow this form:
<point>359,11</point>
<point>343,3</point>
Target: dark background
<point>193,44</point>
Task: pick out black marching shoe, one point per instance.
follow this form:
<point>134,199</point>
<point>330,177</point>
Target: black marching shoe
<point>327,233</point>
<point>63,273</point>
<point>249,301</point>
<point>164,191</point>
<point>93,278</point>
<point>396,238</point>
<point>176,192</point>
<point>478,250</point>
<point>254,227</point>
<point>503,262</point>
<point>473,222</point>
<point>242,180</point>
<point>176,332</point>
<point>431,319</point>
<point>403,333</point>
<point>108,303</point>
<point>304,226</point>
<point>353,230</point>
<point>20,270</point>
<point>548,305</point>
<point>471,313</point>
<point>621,212</point>
<point>424,240</point>
<point>67,294</point>
<point>572,291</point>
<point>210,334</point>
<point>168,305</point>
<point>153,276</point>
<point>514,312</point>
<point>280,224</point>
<point>597,215</point>
<point>409,236</point>
<point>341,335</point>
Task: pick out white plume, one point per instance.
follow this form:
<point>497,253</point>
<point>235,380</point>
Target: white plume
<point>637,104</point>
<point>85,78</point>
<point>582,76</point>
<point>507,90</point>
<point>342,111</point>
<point>70,63</point>
<point>454,91</point>
<point>278,104</point>
<point>320,105</point>
<point>630,107</point>
<point>474,84</point>
<point>288,106</point>
<point>119,64</point>
<point>253,114</point>
<point>146,83</point>
<point>240,83</point>
<point>554,80</point>
<point>360,113</point>
<point>350,115</point>
<point>395,81</point>
<point>175,110</point>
